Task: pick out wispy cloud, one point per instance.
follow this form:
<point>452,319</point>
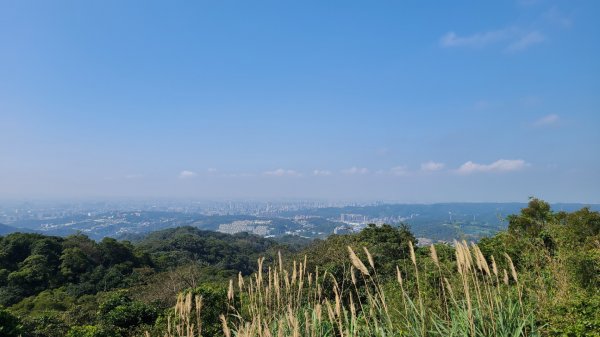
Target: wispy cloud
<point>477,40</point>
<point>283,173</point>
<point>356,170</point>
<point>548,120</point>
<point>502,165</point>
<point>432,166</point>
<point>185,174</point>
<point>211,170</point>
<point>513,39</point>
<point>238,175</point>
<point>526,41</point>
<point>321,173</point>
<point>556,17</point>
<point>400,170</point>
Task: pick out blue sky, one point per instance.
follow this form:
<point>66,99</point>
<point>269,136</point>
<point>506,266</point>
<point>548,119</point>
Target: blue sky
<point>391,100</point>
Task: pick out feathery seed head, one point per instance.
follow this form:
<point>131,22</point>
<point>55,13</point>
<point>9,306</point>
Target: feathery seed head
<point>357,262</point>
<point>412,253</point>
<point>369,257</point>
<point>434,256</point>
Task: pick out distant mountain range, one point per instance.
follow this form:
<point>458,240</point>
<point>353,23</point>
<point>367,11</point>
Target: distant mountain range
<point>437,222</point>
<point>5,230</point>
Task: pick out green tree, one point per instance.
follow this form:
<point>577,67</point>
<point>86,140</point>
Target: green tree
<point>115,252</point>
<point>33,274</point>
<point>121,311</point>
<point>74,262</point>
<point>389,244</point>
<point>532,220</point>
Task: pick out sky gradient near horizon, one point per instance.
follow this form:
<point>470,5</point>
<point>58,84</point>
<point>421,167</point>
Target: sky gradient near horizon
<point>392,100</point>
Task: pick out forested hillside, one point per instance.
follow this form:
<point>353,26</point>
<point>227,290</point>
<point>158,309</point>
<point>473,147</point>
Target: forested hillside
<point>541,277</point>
<point>54,282</point>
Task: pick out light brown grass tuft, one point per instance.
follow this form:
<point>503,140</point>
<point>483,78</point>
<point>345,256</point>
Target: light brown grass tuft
<point>358,264</point>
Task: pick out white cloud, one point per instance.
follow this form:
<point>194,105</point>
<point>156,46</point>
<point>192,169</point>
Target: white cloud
<point>451,39</point>
<point>356,170</point>
<point>399,170</point>
<point>526,41</point>
<point>282,173</point>
<point>513,38</point>
<point>502,165</point>
<point>211,170</point>
<point>321,173</point>
<point>548,120</point>
<point>238,175</point>
<point>187,174</point>
<point>555,16</point>
<point>431,166</point>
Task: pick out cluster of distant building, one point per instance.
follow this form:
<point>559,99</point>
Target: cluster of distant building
<point>258,227</point>
<point>353,223</point>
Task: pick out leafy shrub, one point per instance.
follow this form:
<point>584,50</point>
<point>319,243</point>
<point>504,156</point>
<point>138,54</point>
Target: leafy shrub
<point>90,331</point>
<point>121,311</point>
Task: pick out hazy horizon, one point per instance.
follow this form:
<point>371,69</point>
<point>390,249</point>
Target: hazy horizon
<point>453,102</point>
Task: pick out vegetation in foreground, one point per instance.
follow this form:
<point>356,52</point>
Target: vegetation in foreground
<point>541,277</point>
<point>479,301</point>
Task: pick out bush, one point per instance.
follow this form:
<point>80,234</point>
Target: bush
<point>121,311</point>
<point>90,331</point>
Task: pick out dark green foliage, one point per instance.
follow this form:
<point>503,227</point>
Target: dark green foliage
<point>31,263</point>
<point>73,263</point>
<point>214,299</point>
<point>55,283</point>
<point>15,248</point>
<point>579,316</point>
<point>174,247</point>
<point>33,275</point>
<point>91,331</point>
<point>46,301</point>
<point>559,257</point>
<point>28,264</point>
<point>44,325</point>
<point>4,277</point>
<point>114,252</point>
<point>387,244</point>
<point>294,242</point>
<point>532,220</point>
<point>120,311</point>
<point>10,325</point>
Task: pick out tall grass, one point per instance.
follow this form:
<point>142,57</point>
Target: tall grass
<point>475,299</point>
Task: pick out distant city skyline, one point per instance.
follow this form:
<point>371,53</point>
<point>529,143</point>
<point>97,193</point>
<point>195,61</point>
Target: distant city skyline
<point>403,102</point>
